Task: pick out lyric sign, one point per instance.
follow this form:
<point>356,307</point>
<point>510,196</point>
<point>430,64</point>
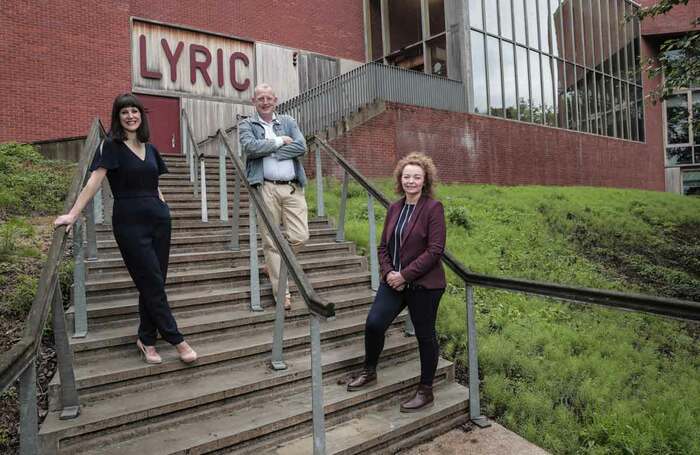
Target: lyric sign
<point>180,61</point>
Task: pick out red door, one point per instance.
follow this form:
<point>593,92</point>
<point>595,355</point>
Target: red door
<point>164,121</point>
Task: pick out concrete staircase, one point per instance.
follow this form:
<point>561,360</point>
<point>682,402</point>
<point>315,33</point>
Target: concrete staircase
<point>230,400</point>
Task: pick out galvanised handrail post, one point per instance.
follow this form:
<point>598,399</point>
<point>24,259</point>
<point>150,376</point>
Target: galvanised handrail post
<point>28,422</point>
<point>107,202</point>
<point>320,210</point>
<point>98,207</point>
<point>78,291</point>
<point>340,234</point>
<point>91,231</point>
<point>254,272</point>
<point>223,190</point>
<point>373,261</point>
<point>474,394</point>
<point>408,328</point>
<point>236,215</point>
<point>70,403</point>
<point>319,426</point>
<point>278,335</point>
<point>203,192</point>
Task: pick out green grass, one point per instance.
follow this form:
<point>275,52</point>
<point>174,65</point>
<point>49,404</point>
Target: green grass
<point>572,378</point>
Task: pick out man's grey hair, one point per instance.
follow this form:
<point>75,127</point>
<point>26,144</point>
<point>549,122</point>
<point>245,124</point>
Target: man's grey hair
<point>262,86</point>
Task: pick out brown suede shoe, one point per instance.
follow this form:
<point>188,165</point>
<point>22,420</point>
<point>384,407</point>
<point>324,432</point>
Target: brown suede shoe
<point>422,400</point>
<point>364,379</point>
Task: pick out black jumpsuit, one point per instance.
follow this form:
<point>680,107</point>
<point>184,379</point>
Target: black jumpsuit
<point>141,226</point>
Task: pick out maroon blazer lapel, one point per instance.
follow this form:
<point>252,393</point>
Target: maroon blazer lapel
<point>392,218</point>
<point>412,222</point>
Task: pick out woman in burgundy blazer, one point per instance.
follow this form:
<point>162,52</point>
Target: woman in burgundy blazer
<point>412,244</point>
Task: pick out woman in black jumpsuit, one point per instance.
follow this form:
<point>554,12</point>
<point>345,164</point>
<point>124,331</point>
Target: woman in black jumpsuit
<point>140,220</point>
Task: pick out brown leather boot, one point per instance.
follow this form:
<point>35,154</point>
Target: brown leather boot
<point>364,379</point>
<point>422,400</point>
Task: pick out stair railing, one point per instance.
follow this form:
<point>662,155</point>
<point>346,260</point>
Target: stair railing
<point>330,102</point>
<point>20,361</point>
<point>196,163</point>
<point>318,307</point>
<point>674,308</point>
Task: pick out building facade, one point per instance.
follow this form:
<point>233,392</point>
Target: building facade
<point>554,90</point>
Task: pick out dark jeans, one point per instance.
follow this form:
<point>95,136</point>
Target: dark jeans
<point>146,250</point>
<point>422,306</point>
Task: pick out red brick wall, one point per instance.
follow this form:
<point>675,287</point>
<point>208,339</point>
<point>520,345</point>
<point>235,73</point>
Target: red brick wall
<point>675,21</point>
<point>478,149</point>
<point>63,62</point>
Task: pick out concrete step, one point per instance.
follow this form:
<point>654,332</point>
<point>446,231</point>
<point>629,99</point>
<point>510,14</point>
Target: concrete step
<point>383,429</point>
<point>121,306</point>
<point>118,332</point>
<point>232,427</point>
<point>222,258</point>
<point>197,226</point>
<point>99,412</point>
<point>223,276</point>
<point>120,366</point>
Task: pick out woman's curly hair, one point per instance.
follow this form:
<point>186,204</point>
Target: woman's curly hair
<point>425,163</point>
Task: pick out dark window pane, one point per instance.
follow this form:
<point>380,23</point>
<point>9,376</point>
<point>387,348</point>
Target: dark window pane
<point>410,58</point>
<point>571,109</point>
<point>597,43</point>
<point>532,29</point>
<point>614,44</point>
<point>548,94</point>
<point>519,24</point>
<point>679,155</point>
<point>523,84</point>
<point>600,96</point>
<point>375,20</point>
<point>622,38</point>
<point>492,17</point>
<point>637,52</point>
<point>634,128</point>
<point>536,87</point>
<point>588,32</point>
<point>625,111</point>
<point>629,43</point>
<point>677,119</point>
<point>475,15</point>
<point>543,12</point>
<point>605,30</point>
<point>404,23</point>
<point>509,84</point>
<point>691,181</point>
<point>579,47</point>
<point>568,31</point>
<point>438,56</point>
<point>696,117</point>
<point>618,108</point>
<point>560,91</point>
<point>494,67</point>
<point>590,99</point>
<point>478,72</point>
<point>640,114</point>
<point>581,98</point>
<point>436,16</point>
<point>506,22</point>
<point>555,28</point>
<point>697,154</point>
<point>609,107</point>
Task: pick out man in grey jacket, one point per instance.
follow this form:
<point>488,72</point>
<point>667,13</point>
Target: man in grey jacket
<point>273,146</point>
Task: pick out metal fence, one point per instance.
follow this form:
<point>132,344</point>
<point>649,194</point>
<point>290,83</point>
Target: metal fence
<point>323,106</point>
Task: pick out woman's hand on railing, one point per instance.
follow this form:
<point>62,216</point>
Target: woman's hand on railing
<point>65,220</point>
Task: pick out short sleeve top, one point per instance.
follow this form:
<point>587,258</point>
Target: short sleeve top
<point>129,175</point>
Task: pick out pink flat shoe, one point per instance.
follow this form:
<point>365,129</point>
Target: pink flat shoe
<point>187,354</point>
<point>149,353</point>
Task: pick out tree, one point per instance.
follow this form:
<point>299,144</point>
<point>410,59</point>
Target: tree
<point>678,59</point>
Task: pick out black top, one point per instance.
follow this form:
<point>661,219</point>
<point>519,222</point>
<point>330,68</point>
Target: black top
<point>128,175</point>
<point>395,241</point>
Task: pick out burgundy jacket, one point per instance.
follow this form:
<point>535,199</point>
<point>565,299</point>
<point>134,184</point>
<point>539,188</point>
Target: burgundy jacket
<point>422,243</point>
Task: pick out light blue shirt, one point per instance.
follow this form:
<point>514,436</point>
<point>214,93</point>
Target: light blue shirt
<point>274,169</point>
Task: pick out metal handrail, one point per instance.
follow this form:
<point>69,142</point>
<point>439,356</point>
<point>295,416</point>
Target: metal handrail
<point>316,304</point>
<point>675,308</point>
<point>13,362</point>
<point>664,306</point>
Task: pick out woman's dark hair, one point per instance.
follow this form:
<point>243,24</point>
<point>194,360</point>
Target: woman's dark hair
<point>116,131</point>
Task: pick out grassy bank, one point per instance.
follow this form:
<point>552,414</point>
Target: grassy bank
<point>573,378</point>
<point>32,190</point>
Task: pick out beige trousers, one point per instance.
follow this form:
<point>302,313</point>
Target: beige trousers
<point>289,209</point>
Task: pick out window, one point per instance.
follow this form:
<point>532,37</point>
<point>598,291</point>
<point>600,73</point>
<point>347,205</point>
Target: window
<point>575,65</point>
<point>683,128</point>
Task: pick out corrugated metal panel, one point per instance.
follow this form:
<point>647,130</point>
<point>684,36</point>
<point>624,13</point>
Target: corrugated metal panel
<point>275,66</point>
